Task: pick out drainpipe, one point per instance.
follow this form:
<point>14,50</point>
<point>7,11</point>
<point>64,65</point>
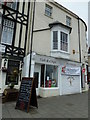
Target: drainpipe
<point>79,41</point>
<point>80,49</point>
<point>31,38</point>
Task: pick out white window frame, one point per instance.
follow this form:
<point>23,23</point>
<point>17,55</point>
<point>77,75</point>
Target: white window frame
<point>50,8</point>
<point>59,29</point>
<point>10,4</point>
<point>8,29</point>
<point>68,19</point>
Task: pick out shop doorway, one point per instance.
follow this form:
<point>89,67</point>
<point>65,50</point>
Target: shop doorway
<point>36,78</point>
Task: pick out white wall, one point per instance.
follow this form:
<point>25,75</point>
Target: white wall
<point>73,88</point>
<point>43,38</point>
<point>25,69</point>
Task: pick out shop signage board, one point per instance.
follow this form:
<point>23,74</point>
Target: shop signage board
<point>71,70</point>
<point>27,95</point>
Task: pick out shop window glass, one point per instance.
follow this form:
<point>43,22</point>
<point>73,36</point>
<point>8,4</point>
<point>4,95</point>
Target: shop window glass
<point>12,72</point>
<point>51,79</point>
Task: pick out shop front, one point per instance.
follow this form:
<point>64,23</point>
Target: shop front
<point>10,74</point>
<point>53,76</point>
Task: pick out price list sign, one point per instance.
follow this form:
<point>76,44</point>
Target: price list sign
<point>26,94</point>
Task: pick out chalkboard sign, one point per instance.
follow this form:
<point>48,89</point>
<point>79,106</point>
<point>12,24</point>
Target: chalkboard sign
<point>27,95</point>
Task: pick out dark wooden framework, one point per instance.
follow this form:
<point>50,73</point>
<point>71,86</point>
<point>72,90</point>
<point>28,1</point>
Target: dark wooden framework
<point>22,19</point>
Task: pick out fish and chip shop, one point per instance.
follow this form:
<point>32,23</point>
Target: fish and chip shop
<point>53,76</point>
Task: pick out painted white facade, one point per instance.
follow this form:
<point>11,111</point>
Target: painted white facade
<point>45,55</point>
<point>63,85</point>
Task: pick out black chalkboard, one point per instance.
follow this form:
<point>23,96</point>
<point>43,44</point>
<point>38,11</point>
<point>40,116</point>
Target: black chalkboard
<point>27,95</point>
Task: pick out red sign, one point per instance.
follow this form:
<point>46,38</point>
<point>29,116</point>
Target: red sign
<point>63,69</point>
<point>83,70</point>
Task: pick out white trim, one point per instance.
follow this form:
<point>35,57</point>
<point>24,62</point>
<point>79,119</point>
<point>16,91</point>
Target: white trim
<point>49,88</point>
<point>59,34</point>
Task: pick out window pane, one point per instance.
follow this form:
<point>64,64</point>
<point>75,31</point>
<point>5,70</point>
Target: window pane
<point>68,21</point>
<point>7,32</point>
<point>51,79</point>
<point>64,42</point>
<point>55,39</point>
<point>48,10</point>
<point>12,5</point>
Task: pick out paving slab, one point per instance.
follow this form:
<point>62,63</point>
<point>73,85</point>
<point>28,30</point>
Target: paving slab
<point>69,106</point>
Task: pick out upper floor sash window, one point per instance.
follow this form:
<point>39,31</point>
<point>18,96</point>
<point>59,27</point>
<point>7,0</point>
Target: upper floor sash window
<point>55,40</point>
<point>7,32</point>
<point>48,10</point>
<point>60,40</point>
<point>12,4</point>
<point>68,21</point>
<point>64,42</point>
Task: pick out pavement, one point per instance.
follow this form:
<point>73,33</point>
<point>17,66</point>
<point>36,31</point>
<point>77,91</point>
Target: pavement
<point>67,106</point>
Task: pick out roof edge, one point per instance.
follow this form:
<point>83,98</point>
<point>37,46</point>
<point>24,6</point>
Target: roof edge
<point>68,11</point>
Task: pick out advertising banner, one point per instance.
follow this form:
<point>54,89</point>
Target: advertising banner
<point>71,70</point>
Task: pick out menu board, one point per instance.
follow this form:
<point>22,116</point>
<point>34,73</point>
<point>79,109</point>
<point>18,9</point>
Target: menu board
<point>26,94</point>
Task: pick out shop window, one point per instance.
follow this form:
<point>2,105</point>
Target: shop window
<point>12,72</point>
<point>51,77</point>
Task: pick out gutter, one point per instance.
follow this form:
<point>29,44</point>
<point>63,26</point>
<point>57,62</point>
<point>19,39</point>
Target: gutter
<point>79,19</point>
<point>32,37</point>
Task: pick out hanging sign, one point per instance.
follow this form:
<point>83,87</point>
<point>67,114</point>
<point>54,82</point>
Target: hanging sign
<point>27,95</point>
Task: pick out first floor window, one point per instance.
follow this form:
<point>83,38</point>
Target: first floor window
<point>64,42</point>
<point>60,41</point>
<point>7,32</point>
<point>55,40</point>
